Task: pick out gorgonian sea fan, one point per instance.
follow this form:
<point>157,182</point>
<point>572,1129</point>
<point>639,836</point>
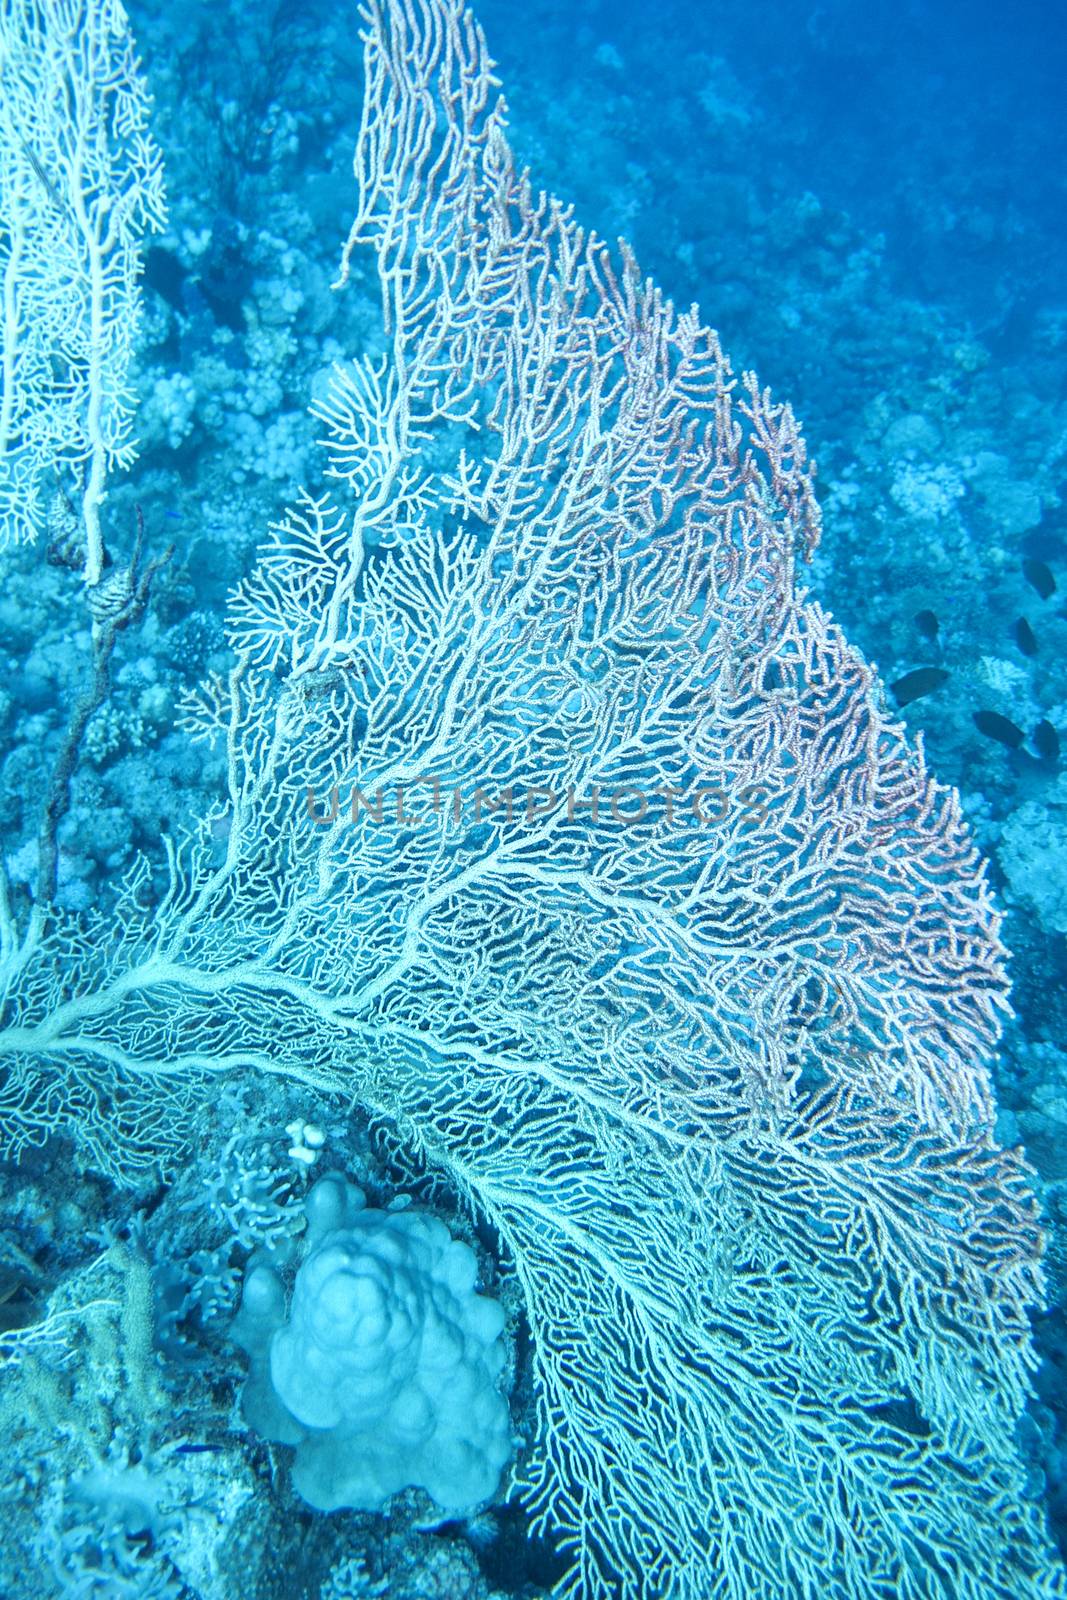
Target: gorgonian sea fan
<point>81,183</point>
<point>718,1081</point>
<point>722,1090</point>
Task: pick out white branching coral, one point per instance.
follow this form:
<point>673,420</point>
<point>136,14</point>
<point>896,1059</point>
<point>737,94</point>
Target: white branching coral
<point>617,894</point>
<point>80,184</point>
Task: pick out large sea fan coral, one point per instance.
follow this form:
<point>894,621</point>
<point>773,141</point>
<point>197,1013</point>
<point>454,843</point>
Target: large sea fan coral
<point>569,835</point>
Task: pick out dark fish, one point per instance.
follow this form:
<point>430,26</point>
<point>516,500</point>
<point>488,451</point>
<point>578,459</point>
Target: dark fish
<point>1025,637</point>
<point>164,272</point>
<point>926,622</point>
<point>1038,575</point>
<point>924,680</point>
<point>1047,741</point>
<point>1002,729</point>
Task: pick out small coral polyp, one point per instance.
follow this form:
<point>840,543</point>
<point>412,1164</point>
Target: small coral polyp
<point>384,1371</point>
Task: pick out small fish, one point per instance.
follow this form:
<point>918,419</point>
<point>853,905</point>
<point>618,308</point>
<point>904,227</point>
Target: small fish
<point>927,624</point>
<point>1002,729</point>
<point>1025,637</point>
<point>1039,577</point>
<point>1047,742</point>
<point>44,180</point>
<point>924,680</point>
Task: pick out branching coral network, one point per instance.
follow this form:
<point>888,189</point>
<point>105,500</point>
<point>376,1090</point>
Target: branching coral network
<point>81,182</point>
<point>719,1080</point>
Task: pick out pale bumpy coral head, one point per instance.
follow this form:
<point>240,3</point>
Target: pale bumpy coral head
<point>385,1373</point>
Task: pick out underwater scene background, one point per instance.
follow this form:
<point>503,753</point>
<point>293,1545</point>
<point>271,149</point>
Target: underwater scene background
<point>869,205</point>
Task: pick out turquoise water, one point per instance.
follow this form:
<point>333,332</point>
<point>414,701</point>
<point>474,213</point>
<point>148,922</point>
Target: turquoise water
<point>870,211</point>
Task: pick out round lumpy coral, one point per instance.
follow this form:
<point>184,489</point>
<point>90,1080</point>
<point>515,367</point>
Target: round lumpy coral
<point>383,1374</point>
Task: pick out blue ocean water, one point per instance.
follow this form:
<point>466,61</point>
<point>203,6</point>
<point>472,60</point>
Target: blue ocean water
<point>870,208</point>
